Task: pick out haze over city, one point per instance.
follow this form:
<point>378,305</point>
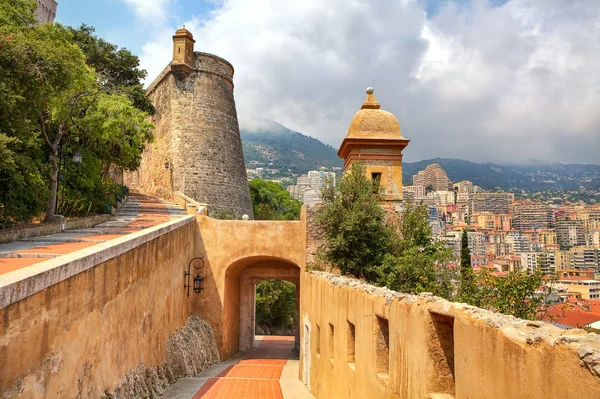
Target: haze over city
<point>488,81</point>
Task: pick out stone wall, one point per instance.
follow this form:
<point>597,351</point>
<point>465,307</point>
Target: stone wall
<point>197,134</point>
<point>112,320</point>
<point>42,229</point>
<point>233,249</point>
<point>360,341</point>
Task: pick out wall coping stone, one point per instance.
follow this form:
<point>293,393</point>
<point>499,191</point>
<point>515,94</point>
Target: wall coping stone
<point>522,332</point>
<point>24,282</point>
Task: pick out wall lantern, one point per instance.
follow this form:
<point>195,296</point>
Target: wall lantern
<point>77,158</point>
<point>167,164</point>
<point>198,285</point>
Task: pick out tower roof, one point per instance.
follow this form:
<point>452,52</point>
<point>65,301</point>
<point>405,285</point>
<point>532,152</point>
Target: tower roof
<point>371,122</point>
<point>184,32</point>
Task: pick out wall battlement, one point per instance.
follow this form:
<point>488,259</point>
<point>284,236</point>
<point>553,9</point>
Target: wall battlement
<point>362,341</point>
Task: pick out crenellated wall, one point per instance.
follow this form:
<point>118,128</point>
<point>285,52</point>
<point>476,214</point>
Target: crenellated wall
<point>360,341</point>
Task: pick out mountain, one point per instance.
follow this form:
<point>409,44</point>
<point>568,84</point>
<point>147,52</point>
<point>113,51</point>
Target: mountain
<point>268,144</point>
<point>535,177</point>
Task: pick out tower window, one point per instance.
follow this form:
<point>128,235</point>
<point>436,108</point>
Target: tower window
<point>376,180</point>
<point>179,50</point>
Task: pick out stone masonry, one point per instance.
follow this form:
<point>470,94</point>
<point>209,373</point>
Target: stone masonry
<point>198,149</point>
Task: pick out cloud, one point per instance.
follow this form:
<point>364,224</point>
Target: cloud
<point>500,83</point>
<point>153,12</point>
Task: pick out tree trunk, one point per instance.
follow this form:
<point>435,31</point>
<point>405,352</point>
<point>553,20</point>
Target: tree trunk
<point>51,206</point>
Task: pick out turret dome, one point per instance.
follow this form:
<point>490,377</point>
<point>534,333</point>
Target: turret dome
<point>371,122</point>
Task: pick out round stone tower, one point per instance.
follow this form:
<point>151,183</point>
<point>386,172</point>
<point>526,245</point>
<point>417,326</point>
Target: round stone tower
<point>198,149</point>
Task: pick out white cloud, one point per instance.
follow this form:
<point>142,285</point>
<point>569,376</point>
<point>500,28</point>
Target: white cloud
<point>500,84</point>
<point>153,12</point>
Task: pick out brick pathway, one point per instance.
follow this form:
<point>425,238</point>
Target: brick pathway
<point>137,213</point>
<point>255,376</point>
<point>269,371</point>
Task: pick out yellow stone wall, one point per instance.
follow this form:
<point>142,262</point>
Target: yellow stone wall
<point>434,348</point>
<point>391,170</point>
<point>81,336</point>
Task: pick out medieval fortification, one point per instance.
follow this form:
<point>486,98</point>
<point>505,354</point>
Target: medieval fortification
<point>198,150</point>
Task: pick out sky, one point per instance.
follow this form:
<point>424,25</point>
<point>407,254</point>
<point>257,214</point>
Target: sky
<point>501,81</point>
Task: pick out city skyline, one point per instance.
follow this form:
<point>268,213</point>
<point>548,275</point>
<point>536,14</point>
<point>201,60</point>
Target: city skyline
<point>501,81</point>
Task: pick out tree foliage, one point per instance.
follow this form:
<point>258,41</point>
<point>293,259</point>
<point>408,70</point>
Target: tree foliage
<point>271,201</point>
<point>520,293</point>
<point>356,235</point>
<point>53,102</point>
<point>418,263</point>
<point>468,286</point>
<point>275,303</point>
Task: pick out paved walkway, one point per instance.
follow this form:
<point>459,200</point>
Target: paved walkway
<point>269,371</point>
<point>137,213</point>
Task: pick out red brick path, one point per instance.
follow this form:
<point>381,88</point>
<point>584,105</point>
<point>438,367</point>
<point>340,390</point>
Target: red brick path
<point>254,377</point>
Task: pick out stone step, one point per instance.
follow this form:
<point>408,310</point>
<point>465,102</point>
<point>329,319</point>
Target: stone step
<point>28,255</point>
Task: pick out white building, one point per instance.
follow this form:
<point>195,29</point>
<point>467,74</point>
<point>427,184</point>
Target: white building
<point>519,241</point>
<point>476,243</point>
<point>529,261</point>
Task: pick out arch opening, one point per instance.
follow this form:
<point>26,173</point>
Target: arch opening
<point>241,280</point>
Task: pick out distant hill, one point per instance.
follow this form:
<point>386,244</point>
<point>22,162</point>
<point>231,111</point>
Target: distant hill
<point>516,177</point>
<point>269,144</point>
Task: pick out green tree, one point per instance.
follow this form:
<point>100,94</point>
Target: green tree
<point>520,294</point>
<point>356,235</point>
<point>418,263</point>
<point>116,131</point>
<point>117,69</point>
<point>467,291</point>
<point>275,303</point>
<point>51,97</point>
<point>271,201</point>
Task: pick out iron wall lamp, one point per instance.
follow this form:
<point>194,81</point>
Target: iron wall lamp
<point>198,282</point>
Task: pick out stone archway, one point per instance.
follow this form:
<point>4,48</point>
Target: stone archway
<point>253,275</point>
<point>240,282</point>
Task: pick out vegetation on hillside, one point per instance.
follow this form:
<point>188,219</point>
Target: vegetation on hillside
<point>399,252</point>
<point>58,99</point>
<point>275,147</point>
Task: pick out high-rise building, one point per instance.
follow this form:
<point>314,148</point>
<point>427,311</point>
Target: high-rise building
<point>46,11</point>
<point>476,243</point>
<point>570,233</point>
<point>534,260</point>
<point>529,216</point>
<point>498,203</point>
<point>318,178</point>
<point>519,241</point>
<point>433,175</point>
<point>464,185</point>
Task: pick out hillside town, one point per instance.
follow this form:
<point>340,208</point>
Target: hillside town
<point>506,234</point>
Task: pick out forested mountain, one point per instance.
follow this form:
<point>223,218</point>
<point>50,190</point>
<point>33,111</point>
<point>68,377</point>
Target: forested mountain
<point>268,144</point>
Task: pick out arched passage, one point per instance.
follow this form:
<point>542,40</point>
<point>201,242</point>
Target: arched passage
<point>241,278</point>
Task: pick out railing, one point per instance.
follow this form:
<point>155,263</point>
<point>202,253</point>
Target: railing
<point>191,206</point>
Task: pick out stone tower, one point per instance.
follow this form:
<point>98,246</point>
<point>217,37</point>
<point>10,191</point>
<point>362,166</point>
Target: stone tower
<point>46,11</point>
<point>197,150</point>
<point>374,138</point>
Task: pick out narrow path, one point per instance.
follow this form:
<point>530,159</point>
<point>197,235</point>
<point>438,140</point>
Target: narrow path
<point>139,212</point>
<point>269,371</point>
